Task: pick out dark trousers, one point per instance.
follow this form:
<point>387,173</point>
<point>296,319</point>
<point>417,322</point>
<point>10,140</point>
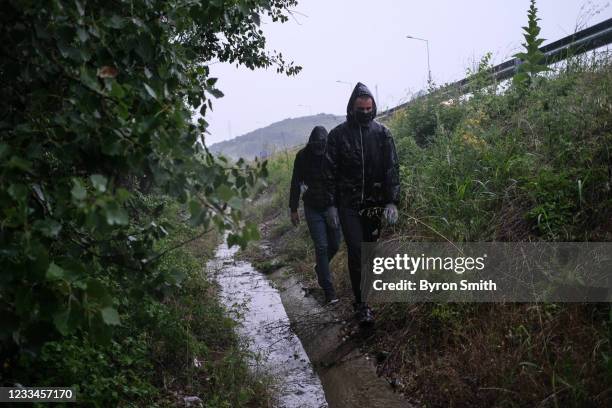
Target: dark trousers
<point>358,226</point>
<point>326,242</point>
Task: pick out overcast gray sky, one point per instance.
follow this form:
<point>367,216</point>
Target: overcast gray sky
<point>359,40</point>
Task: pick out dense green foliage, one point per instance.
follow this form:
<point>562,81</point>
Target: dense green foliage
<point>175,343</point>
<point>96,101</point>
<point>512,165</point>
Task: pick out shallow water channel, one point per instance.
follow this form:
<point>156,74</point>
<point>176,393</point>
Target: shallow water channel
<point>266,328</point>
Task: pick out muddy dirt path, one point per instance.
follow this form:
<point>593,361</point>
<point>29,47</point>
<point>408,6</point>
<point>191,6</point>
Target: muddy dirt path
<point>348,376</point>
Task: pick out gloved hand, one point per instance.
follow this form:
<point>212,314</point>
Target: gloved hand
<point>331,216</point>
<point>295,217</point>
<point>391,213</point>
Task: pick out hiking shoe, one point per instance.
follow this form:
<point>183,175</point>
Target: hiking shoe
<point>331,298</point>
<point>364,315</point>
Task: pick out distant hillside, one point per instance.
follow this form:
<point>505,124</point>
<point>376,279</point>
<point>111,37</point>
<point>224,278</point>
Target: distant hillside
<point>280,135</point>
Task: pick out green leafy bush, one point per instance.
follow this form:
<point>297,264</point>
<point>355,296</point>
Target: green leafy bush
<point>98,156</point>
<point>96,103</point>
<point>150,359</point>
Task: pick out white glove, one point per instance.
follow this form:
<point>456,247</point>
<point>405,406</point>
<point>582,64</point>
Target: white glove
<point>391,213</point>
<point>303,188</point>
<point>331,215</point>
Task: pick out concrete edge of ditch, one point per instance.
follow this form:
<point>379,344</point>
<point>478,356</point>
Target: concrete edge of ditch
<point>349,378</point>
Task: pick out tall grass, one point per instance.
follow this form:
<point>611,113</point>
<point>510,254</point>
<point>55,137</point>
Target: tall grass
<point>511,166</point>
<point>506,164</point>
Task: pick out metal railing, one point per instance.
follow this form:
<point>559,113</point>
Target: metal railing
<point>578,43</point>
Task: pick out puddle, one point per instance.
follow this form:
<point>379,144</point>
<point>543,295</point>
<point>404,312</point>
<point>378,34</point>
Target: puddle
<point>266,327</point>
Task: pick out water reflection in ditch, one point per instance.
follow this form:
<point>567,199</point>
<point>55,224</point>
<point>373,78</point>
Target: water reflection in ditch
<point>265,325</point>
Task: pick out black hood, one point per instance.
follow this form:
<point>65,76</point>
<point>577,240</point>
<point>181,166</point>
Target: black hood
<point>317,140</point>
<point>360,90</point>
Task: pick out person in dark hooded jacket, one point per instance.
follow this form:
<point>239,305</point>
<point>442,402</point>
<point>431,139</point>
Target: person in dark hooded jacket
<point>362,182</point>
<point>308,178</point>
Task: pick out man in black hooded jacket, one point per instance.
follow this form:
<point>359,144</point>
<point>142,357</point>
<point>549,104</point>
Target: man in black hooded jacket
<point>308,177</point>
<point>362,178</point>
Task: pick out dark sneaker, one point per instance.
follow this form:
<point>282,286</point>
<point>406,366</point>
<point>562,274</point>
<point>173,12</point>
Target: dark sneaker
<point>365,317</point>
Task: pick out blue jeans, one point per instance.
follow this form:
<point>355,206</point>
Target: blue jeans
<point>326,242</point>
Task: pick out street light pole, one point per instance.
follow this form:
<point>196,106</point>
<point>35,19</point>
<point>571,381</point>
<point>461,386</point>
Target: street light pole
<point>427,45</point>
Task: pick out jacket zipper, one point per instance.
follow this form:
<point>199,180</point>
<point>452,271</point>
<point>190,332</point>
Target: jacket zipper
<point>362,166</point>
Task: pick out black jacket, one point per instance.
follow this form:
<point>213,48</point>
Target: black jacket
<point>361,168</point>
<point>308,170</point>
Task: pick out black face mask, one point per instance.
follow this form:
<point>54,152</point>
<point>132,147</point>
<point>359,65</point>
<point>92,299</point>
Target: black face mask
<point>363,118</point>
<point>317,148</point>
